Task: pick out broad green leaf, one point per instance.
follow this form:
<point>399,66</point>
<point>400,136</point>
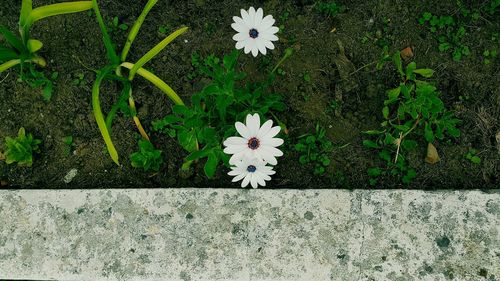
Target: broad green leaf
<point>385,112</point>
<point>34,45</point>
<point>7,54</point>
<point>428,133</point>
<point>425,72</point>
<point>211,165</point>
<point>370,144</point>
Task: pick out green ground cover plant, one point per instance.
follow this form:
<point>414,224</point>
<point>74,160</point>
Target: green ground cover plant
<point>412,112</point>
<point>20,149</point>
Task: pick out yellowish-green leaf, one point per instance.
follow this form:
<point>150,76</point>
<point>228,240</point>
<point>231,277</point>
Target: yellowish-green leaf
<point>154,51</point>
<point>34,45</point>
<point>26,8</point>
<point>56,9</point>
<point>135,28</point>
<point>157,82</point>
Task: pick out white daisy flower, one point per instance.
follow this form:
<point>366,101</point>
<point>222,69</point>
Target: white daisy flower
<point>253,171</point>
<point>255,141</point>
<point>255,32</point>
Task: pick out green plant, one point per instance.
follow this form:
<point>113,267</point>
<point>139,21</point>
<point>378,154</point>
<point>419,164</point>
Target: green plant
<point>147,158</point>
<point>411,110</point>
<point>314,149</point>
<point>450,33</point>
<point>79,79</point>
<point>201,128</point>
<point>115,25</point>
<point>20,149</point>
<point>113,71</point>
<point>21,51</point>
<point>473,157</point>
<point>68,141</point>
<point>489,55</point>
<point>330,9</point>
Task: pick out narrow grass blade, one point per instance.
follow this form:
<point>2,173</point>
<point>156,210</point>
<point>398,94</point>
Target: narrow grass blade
<point>110,50</point>
<point>99,117</point>
<point>114,109</point>
<point>9,64</point>
<point>160,84</point>
<point>57,9</point>
<point>12,39</point>
<point>154,51</point>
<point>135,28</point>
<point>26,8</point>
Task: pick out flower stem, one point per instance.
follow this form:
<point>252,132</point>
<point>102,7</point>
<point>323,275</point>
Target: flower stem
<point>288,53</point>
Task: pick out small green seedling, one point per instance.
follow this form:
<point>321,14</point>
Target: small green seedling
<point>314,149</point>
<point>22,51</point>
<point>79,79</point>
<point>164,29</point>
<point>147,158</point>
<point>330,9</point>
<point>20,149</point>
<point>472,156</point>
<point>115,26</point>
<point>412,110</point>
<point>489,55</point>
<point>450,33</point>
<point>68,141</point>
<point>306,76</point>
<point>114,72</point>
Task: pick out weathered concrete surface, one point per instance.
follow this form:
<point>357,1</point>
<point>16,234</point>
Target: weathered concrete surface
<point>221,234</point>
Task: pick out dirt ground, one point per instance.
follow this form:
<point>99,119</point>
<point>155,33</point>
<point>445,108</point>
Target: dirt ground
<point>72,43</point>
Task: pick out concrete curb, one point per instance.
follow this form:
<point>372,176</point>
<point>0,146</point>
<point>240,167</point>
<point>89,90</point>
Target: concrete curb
<point>231,234</point>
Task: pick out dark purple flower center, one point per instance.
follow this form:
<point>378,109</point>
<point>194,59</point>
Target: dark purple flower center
<point>253,143</point>
<point>253,33</point>
<point>251,169</point>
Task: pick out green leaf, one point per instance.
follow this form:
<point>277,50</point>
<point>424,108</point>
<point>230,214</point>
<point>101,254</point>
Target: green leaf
<point>374,172</point>
<point>26,7</point>
<point>211,165</point>
<point>47,91</point>
<point>475,159</point>
<point>408,144</point>
<point>428,133</point>
<point>396,58</point>
<point>370,144</point>
<point>34,45</point>
<point>409,71</point>
<point>7,54</point>
<point>425,72</point>
<point>385,112</point>
<point>187,139</point>
<point>12,39</point>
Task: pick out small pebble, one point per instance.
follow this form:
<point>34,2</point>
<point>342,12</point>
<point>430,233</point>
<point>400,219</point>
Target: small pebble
<point>70,176</point>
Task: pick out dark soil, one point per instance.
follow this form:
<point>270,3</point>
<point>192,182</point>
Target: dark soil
<point>470,88</point>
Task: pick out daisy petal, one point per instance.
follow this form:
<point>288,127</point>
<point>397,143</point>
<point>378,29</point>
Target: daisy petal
<point>239,27</point>
<point>251,13</point>
<point>273,142</point>
<point>253,124</point>
<point>241,44</point>
<point>246,180</point>
<point>266,156</point>
<point>261,46</point>
<point>238,177</point>
<point>245,17</point>
<point>253,180</point>
<point>255,50</point>
<point>236,158</point>
<point>267,22</point>
<point>258,18</point>
<point>272,133</point>
<point>232,149</point>
<point>269,44</point>
<point>268,36</point>
<point>265,128</point>
<point>261,181</point>
<point>240,21</point>
<point>243,130</point>
<point>240,36</point>
<point>235,141</point>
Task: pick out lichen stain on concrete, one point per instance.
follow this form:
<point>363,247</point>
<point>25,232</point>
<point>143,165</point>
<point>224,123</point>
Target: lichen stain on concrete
<point>198,234</point>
